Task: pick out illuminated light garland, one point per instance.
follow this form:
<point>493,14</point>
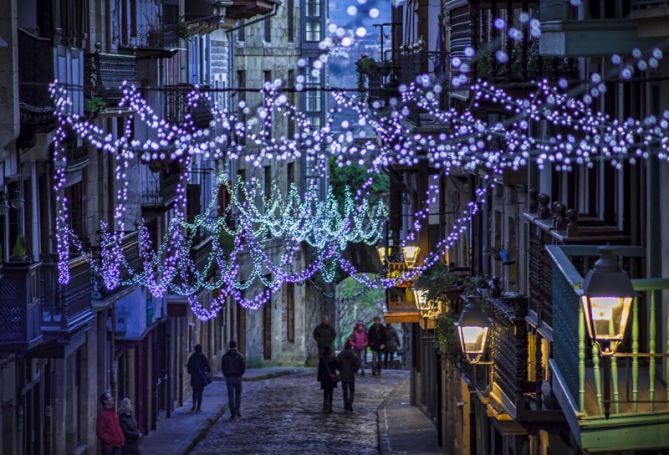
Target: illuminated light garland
<point>469,148</point>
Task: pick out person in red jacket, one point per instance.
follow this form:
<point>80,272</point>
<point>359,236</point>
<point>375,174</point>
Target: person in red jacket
<point>359,343</point>
<point>109,427</point>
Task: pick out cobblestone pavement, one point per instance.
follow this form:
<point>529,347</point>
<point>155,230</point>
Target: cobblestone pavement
<point>284,416</point>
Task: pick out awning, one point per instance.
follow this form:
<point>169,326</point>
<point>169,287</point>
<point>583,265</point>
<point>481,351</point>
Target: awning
<point>397,317</point>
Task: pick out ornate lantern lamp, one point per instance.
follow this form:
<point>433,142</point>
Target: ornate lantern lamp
<point>410,254</point>
<point>425,307</point>
<point>607,299</point>
<point>473,327</point>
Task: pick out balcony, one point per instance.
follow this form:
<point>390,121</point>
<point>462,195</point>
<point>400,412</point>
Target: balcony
<point>35,75</point>
<point>159,187</point>
<point>639,417</point>
<point>20,307</point>
<point>66,308</point>
<point>176,106</point>
<point>105,73</point>
<point>652,17</point>
<point>246,9</point>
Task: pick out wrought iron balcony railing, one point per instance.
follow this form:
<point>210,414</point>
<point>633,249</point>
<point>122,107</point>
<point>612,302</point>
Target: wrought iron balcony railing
<point>638,379</point>
<point>66,306</point>
<point>105,73</point>
<point>20,306</point>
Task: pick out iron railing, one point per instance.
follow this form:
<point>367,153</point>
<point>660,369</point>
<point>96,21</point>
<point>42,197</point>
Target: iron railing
<point>638,380</point>
<point>65,306</point>
<point>20,306</point>
<point>105,73</point>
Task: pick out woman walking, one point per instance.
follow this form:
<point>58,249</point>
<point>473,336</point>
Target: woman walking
<point>129,427</point>
<point>327,376</point>
<point>359,342</point>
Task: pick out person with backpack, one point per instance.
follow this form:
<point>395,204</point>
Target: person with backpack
<point>198,368</point>
<point>233,366</point>
<point>347,364</point>
<point>359,343</point>
<point>327,376</point>
<point>377,343</point>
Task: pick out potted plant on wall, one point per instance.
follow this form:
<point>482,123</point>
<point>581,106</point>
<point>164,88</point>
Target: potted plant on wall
<point>19,250</point>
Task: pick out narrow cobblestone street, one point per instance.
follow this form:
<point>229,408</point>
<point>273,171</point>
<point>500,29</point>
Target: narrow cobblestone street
<point>284,415</point>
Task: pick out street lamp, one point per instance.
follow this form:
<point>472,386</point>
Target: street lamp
<point>473,327</point>
<point>410,254</point>
<point>607,299</point>
<point>382,251</point>
<point>423,305</point>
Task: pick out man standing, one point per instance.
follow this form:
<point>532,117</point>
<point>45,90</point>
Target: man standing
<point>198,368</point>
<point>347,364</point>
<point>324,334</point>
<point>377,343</point>
<point>233,366</point>
<point>392,345</point>
<point>109,427</point>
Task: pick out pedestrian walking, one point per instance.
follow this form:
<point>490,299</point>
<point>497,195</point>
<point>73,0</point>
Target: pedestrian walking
<point>198,368</point>
<point>108,427</point>
<point>392,345</point>
<point>327,376</point>
<point>130,428</point>
<point>347,364</point>
<point>233,366</point>
<point>359,342</point>
<point>324,334</point>
<point>377,343</point>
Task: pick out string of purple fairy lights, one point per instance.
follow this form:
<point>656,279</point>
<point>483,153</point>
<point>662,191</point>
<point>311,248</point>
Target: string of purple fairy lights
<point>466,143</point>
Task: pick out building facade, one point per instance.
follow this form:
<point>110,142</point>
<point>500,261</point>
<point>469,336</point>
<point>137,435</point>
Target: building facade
<point>534,238</point>
<point>62,346</point>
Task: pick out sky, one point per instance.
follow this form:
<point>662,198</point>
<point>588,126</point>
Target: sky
<point>341,66</point>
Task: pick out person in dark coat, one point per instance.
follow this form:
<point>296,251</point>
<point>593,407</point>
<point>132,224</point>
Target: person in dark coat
<point>233,366</point>
<point>129,427</point>
<point>347,364</point>
<point>327,376</point>
<point>108,427</point>
<point>392,345</point>
<point>377,343</point>
<point>198,368</point>
<point>324,334</point>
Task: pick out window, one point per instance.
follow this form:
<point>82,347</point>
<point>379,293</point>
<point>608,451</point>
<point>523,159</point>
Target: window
<point>267,79</point>
<point>291,99</point>
<point>267,326</point>
<point>75,207</point>
<point>290,311</point>
<point>290,176</point>
<point>313,101</point>
<point>290,6</point>
<point>268,30</point>
<point>312,30</point>
<point>268,182</point>
<point>314,8</point>
<point>241,97</point>
<point>313,97</point>
<point>241,180</point>
<point>241,33</point>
